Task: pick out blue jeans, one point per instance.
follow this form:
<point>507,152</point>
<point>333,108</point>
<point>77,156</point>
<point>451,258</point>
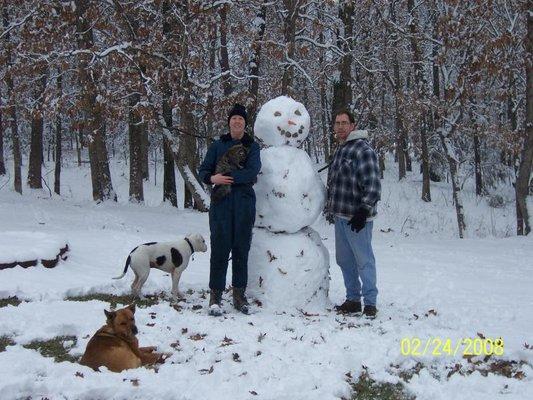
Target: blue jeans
<point>355,257</point>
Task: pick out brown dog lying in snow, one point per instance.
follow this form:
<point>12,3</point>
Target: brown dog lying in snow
<point>115,345</point>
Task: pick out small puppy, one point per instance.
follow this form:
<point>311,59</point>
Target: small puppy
<point>172,257</point>
<point>115,345</point>
<point>232,160</point>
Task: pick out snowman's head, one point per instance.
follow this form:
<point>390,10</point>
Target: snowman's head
<point>282,121</point>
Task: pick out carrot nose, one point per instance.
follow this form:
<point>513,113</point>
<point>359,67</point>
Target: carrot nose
<point>292,122</point>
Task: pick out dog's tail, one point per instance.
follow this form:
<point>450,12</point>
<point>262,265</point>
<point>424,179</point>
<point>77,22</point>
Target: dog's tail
<point>125,268</point>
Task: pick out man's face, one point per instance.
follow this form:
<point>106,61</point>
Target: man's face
<point>342,127</point>
<point>236,126</point>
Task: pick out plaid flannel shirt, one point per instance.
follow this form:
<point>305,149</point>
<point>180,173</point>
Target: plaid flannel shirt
<point>353,178</point>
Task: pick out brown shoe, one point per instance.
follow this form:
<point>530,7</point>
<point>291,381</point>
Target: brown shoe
<point>349,307</point>
<point>239,300</point>
<point>215,302</point>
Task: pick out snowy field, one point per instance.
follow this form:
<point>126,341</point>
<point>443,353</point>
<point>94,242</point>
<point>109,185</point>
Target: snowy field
<point>432,285</point>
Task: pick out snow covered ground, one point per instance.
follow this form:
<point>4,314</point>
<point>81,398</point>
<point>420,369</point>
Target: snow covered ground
<point>432,285</point>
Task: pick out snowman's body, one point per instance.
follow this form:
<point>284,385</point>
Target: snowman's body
<point>288,264</point>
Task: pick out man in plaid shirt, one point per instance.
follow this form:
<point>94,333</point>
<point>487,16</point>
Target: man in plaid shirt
<point>354,189</point>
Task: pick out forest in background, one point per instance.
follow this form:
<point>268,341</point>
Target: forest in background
<point>447,84</point>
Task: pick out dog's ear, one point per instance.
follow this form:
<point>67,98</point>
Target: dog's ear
<point>110,315</point>
<point>131,307</point>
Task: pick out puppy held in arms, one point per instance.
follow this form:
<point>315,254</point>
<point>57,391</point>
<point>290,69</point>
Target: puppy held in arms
<point>115,345</point>
<point>232,160</point>
<point>171,257</point>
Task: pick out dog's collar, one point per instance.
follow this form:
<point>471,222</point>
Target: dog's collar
<point>190,245</point>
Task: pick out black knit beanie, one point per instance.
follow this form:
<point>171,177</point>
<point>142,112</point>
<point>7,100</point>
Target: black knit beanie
<point>238,109</point>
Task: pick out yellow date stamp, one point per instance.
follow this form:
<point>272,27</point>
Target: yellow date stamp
<point>441,347</point>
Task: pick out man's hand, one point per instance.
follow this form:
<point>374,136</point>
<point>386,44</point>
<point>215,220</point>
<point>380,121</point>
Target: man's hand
<point>358,221</point>
<point>220,179</point>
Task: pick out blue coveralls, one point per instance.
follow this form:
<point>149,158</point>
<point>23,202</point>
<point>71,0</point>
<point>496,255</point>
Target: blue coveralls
<point>231,220</point>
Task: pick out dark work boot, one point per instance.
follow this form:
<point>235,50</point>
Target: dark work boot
<point>370,311</point>
<point>215,302</point>
<point>349,307</point>
<point>239,300</point>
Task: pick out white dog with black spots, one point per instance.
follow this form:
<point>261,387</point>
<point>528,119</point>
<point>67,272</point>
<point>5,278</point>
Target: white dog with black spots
<point>171,257</point>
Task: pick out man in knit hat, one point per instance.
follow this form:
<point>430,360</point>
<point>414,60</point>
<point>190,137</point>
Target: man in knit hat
<point>231,220</point>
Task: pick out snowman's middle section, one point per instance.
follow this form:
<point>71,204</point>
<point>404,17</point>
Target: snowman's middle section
<point>290,194</point>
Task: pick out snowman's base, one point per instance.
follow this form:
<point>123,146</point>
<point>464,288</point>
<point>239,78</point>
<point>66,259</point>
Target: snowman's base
<point>288,271</point>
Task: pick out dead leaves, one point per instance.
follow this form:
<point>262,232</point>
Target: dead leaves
<point>207,371</point>
<point>176,345</point>
<point>427,314</point>
<point>261,337</point>
<point>198,336</point>
<point>227,342</point>
<point>134,381</point>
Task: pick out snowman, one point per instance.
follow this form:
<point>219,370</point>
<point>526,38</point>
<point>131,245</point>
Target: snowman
<point>288,264</point>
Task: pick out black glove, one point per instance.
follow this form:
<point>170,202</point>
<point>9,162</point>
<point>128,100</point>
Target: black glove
<point>358,221</point>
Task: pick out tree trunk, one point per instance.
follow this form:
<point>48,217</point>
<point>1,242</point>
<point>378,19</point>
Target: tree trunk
<point>169,177</point>
<point>426,187</point>
<point>254,65</point>
<point>477,162</point>
<point>420,90</point>
<point>2,163</point>
<point>289,32</point>
<point>36,151</point>
<point>210,104</point>
<point>36,146</point>
<point>17,156</point>
<point>11,108</point>
<point>526,162</point>
<point>78,145</point>
<point>186,160</point>
<point>135,127</point>
<point>100,175</point>
<point>342,88</point>
<point>401,141</point>
<point>445,134</point>
<point>57,170</point>
<point>145,147</point>
<point>457,198</point>
<point>224,58</point>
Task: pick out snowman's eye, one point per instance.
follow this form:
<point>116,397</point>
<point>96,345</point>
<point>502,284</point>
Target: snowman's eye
<point>277,114</point>
<point>297,112</point>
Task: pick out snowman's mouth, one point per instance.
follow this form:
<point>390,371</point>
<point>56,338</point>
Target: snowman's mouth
<point>289,134</point>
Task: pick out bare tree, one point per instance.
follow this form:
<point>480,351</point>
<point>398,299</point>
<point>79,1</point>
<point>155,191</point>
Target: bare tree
<point>2,163</point>
<point>11,104</point>
<point>37,126</point>
<point>342,88</point>
<point>88,75</point>
<point>420,94</point>
<point>58,141</point>
<point>255,60</point>
<point>169,177</point>
<point>524,174</point>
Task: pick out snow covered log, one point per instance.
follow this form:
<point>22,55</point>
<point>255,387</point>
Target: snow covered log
<point>27,249</point>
